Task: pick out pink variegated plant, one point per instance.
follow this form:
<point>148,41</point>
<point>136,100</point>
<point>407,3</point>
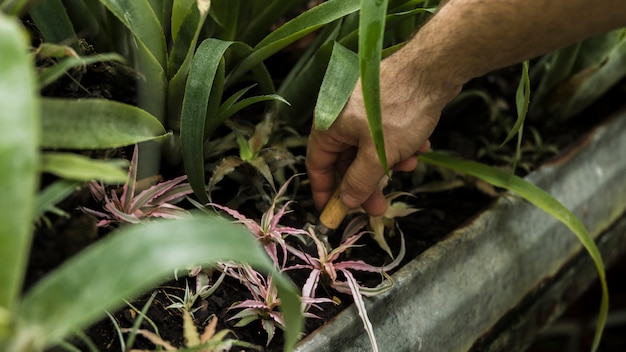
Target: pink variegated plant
<point>129,207</point>
<point>339,272</point>
<point>268,231</point>
<point>264,303</point>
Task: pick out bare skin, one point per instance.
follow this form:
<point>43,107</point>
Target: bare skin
<point>464,40</point>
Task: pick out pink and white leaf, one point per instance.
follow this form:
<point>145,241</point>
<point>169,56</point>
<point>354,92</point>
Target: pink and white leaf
<point>169,211</point>
<point>348,243</point>
<point>149,196</point>
<point>248,223</point>
<point>384,286</point>
<point>400,255</point>
<point>360,307</point>
<point>305,257</point>
<point>308,289</point>
<point>357,265</point>
<point>120,215</point>
<point>270,328</point>
<point>176,193</point>
<point>249,304</point>
<point>378,233</point>
<point>97,190</point>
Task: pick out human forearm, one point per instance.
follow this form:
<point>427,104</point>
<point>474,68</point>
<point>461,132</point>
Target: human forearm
<point>468,38</point>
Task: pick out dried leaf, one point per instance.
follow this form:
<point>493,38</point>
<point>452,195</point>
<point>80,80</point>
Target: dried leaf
<point>209,330</point>
<point>154,338</point>
<point>225,167</point>
<point>261,134</point>
<point>203,6</point>
<point>261,166</point>
<point>189,330</point>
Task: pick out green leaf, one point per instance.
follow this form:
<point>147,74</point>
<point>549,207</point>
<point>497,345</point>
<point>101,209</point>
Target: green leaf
<point>226,112</point>
<point>522,99</point>
<point>185,44</point>
<point>53,194</point>
<point>149,49</point>
<point>133,260</point>
<point>52,73</point>
<point>305,60</point>
<point>195,102</point>
<point>54,23</point>
<point>95,124</point>
<point>340,78</point>
<point>300,89</point>
<point>87,17</point>
<point>77,167</point>
<point>541,200</point>
<point>19,154</point>
<point>180,10</point>
<point>558,66</point>
<point>139,17</point>
<point>595,79</point>
<point>371,28</point>
<point>245,152</point>
<point>13,7</point>
<point>269,15</point>
<point>293,30</point>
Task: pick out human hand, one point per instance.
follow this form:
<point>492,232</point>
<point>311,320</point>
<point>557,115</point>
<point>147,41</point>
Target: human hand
<point>410,111</point>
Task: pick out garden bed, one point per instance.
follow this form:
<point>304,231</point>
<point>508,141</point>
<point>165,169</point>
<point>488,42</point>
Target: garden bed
<point>468,273</point>
<point>499,258</point>
<point>442,213</point>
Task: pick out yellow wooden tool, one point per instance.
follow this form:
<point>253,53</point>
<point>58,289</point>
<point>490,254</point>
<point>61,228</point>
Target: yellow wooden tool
<point>333,214</point>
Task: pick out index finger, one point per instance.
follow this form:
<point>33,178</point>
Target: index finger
<point>321,156</point>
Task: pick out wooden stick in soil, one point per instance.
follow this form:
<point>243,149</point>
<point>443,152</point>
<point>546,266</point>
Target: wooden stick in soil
<point>333,214</point>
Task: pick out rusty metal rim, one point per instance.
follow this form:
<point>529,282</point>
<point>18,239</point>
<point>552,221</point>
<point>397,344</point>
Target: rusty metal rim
<point>457,291</point>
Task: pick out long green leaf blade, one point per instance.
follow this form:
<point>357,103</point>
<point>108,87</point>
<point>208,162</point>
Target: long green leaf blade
<point>522,100</point>
<point>19,153</point>
<point>193,116</point>
<point>51,74</point>
<point>371,29</point>
<point>293,30</point>
<point>54,23</point>
<point>268,15</point>
<point>541,200</point>
<point>132,261</point>
<point>81,168</point>
<point>339,80</point>
<point>185,44</point>
<point>180,10</point>
<point>53,194</point>
<point>95,124</point>
<point>139,17</point>
<point>150,51</point>
<point>227,112</point>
